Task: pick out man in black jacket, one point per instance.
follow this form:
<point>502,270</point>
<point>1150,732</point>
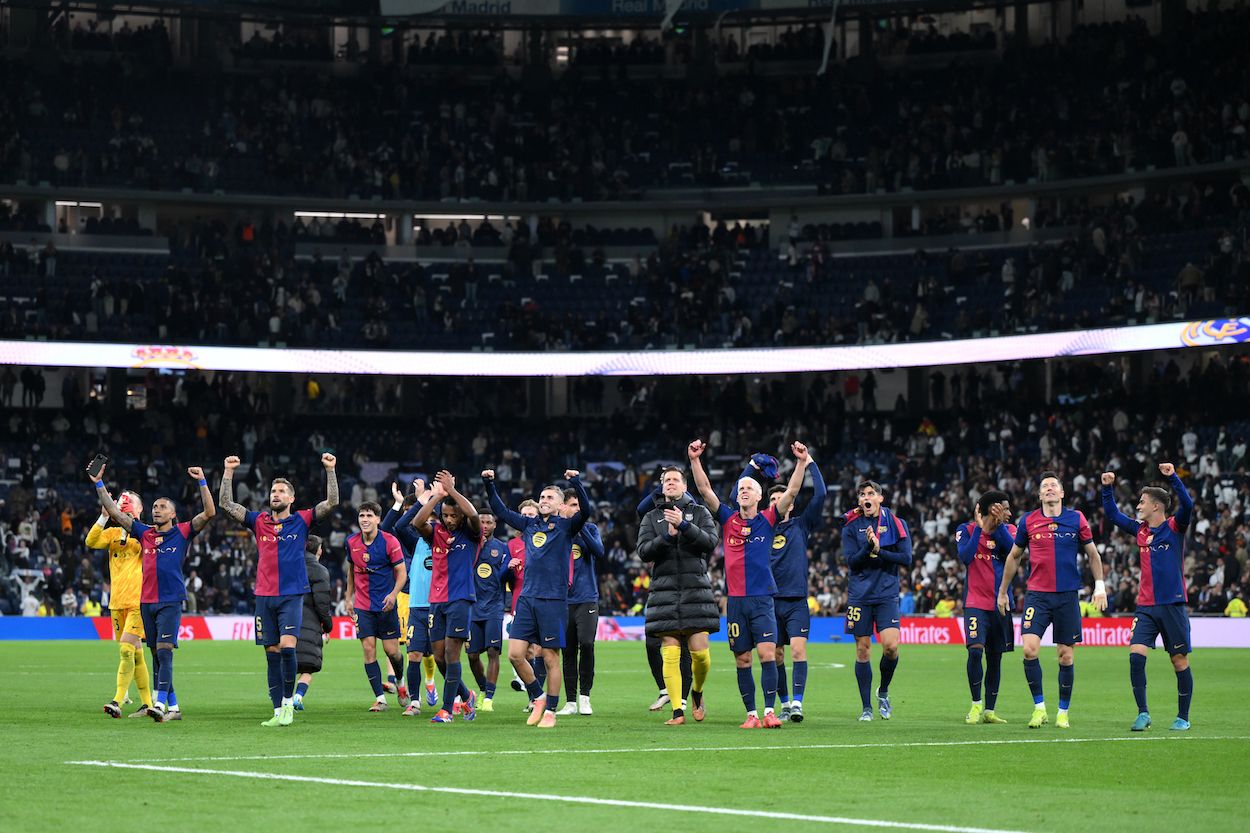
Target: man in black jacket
<point>677,539</point>
<point>318,619</point>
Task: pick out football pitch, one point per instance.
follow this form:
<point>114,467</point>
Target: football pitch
<point>66,766</point>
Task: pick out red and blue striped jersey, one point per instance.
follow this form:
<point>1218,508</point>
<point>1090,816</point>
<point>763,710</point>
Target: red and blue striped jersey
<point>163,554</point>
<point>1161,549</point>
<point>455,554</point>
<point>748,547</point>
<point>1053,545</point>
<point>280,566</point>
<point>983,556</point>
<point>373,568</point>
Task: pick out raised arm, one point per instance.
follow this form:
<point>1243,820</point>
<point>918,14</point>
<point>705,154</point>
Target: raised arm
<point>392,514</point>
<point>472,523</point>
<point>513,519</point>
<point>815,507</point>
<point>695,450</point>
<point>578,521</point>
<point>206,499</point>
<point>235,511</point>
<point>796,478</point>
<point>323,509</point>
<point>423,522</point>
<point>1111,510</point>
<point>968,539</point>
<point>107,504</point>
<point>1185,510</point>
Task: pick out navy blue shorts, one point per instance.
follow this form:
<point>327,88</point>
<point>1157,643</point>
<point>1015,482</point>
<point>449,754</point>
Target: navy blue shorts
<point>861,618</point>
<point>450,620</point>
<point>278,616</point>
<point>1063,610</point>
<point>990,629</point>
<point>418,634</point>
<point>793,619</point>
<point>1169,621</point>
<point>381,624</point>
<point>750,621</point>
<point>540,621</point>
<point>161,621</point>
<point>485,634</point>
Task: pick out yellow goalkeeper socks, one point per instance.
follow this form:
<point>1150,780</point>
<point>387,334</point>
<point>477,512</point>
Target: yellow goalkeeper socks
<point>427,665</point>
<point>671,655</point>
<point>125,672</point>
<point>143,677</point>
<point>700,666</point>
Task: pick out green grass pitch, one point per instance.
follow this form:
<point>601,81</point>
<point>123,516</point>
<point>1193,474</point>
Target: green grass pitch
<point>342,768</point>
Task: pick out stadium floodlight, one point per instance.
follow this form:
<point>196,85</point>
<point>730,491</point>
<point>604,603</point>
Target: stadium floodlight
<point>1219,332</point>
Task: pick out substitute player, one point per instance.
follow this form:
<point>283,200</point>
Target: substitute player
<point>583,621</point>
<point>1054,536</point>
<point>164,547</point>
<point>125,582</point>
<point>454,538</point>
<point>281,577</point>
<point>876,543</point>
<point>486,627</point>
<point>317,621</point>
<point>542,608</point>
<point>375,574</point>
<point>1161,595</point>
<point>746,538</point>
<point>789,564</point>
<point>982,545</point>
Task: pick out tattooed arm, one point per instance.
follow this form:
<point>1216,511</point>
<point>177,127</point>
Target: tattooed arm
<point>326,506</point>
<point>107,504</point>
<point>235,511</point>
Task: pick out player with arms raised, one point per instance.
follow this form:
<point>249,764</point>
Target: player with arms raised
<point>281,575</point>
<point>164,546</point>
<point>1161,595</point>
<point>746,539</point>
<point>1054,536</point>
<point>982,545</point>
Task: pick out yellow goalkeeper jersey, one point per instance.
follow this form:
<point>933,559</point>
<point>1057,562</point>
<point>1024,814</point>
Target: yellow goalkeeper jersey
<point>125,564</point>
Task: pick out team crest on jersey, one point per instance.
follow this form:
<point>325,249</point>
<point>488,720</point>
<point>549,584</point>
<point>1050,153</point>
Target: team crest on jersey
<point>1150,539</point>
<point>577,551</point>
<point>551,525</point>
<point>779,541</point>
<point>989,545</point>
<point>1053,527</point>
<point>160,539</point>
<point>539,538</point>
<point>366,558</point>
<point>277,527</point>
<point>484,570</point>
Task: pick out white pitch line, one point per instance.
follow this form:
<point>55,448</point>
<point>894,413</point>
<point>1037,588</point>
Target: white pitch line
<point>568,799</point>
<point>638,750</point>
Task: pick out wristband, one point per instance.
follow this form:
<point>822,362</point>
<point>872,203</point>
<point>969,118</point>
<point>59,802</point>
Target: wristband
<point>398,505</point>
<point>1100,587</point>
<point>99,484</point>
<point>103,519</point>
<point>203,482</point>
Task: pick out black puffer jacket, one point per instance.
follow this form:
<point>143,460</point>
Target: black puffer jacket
<point>318,617</point>
<point>681,599</point>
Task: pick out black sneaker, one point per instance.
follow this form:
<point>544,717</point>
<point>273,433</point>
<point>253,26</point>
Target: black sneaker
<point>158,714</point>
<point>517,685</point>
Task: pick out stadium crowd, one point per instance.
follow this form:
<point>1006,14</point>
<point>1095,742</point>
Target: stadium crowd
<point>984,427</point>
<point>1175,256</point>
<point>1109,99</point>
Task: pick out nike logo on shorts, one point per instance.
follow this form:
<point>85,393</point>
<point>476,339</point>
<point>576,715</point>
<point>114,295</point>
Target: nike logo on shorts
<point>289,628</point>
<point>591,612</point>
<point>1177,647</point>
<point>768,634</point>
<point>893,621</point>
<point>548,639</point>
<point>458,630</point>
<point>803,630</point>
<point>166,635</point>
